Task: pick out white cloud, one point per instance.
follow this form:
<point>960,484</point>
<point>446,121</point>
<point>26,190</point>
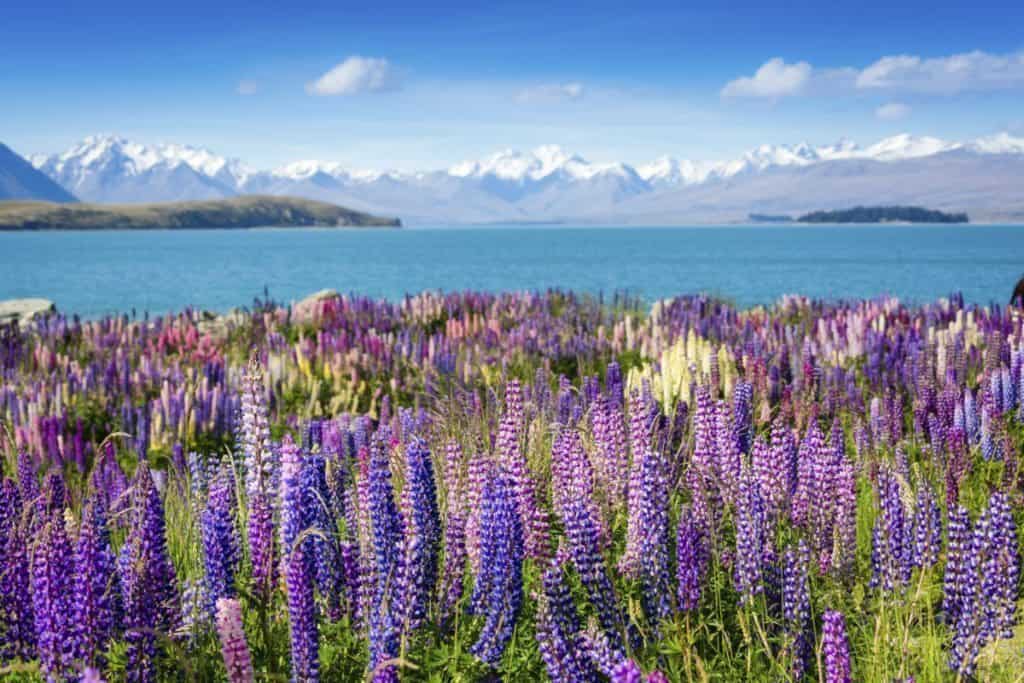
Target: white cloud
<point>775,78</point>
<point>945,75</point>
<point>247,87</point>
<point>969,71</point>
<point>893,111</point>
<point>551,92</point>
<point>356,75</point>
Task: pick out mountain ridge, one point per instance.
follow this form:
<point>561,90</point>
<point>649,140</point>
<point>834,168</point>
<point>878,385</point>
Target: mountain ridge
<point>20,180</point>
<point>545,184</point>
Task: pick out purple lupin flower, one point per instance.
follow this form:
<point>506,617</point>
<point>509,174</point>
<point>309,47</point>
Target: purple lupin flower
<point>969,634</point>
<point>750,539</point>
<point>627,671</point>
<point>52,571</point>
<point>422,534</point>
<point>326,552</point>
<point>262,543</point>
<point>729,456</point>
<point>302,616</point>
<point>498,592</point>
<point>558,628</point>
<point>149,582</point>
<point>691,561</point>
<point>771,476</point>
<point>219,539</point>
<point>612,457</point>
<point>844,550</point>
<point>954,578</point>
<point>16,614</point>
<point>96,590</point>
<point>28,480</point>
<point>889,539</point>
<point>654,554</point>
<point>796,608</point>
<point>1000,571</point>
<point>643,415</point>
<point>743,415</point>
<point>836,648</point>
<point>927,528</point>
<point>810,458</point>
<point>233,645</point>
<point>700,476</point>
<point>583,541</point>
<point>382,582</point>
<point>295,513</point>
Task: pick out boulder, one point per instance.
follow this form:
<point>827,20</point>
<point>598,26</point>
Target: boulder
<point>313,306</point>
<point>22,311</point>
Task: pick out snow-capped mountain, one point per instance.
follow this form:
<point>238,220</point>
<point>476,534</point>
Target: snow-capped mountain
<point>551,183</point>
<point>108,168</point>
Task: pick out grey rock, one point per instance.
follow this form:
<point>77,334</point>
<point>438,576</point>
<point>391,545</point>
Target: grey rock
<point>22,311</point>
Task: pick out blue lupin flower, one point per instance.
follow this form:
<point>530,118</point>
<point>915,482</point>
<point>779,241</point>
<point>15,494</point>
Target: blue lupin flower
<point>498,592</point>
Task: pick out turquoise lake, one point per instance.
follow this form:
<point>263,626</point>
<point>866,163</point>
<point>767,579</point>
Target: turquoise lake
<point>92,273</point>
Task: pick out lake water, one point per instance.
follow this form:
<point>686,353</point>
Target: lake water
<point>92,273</point>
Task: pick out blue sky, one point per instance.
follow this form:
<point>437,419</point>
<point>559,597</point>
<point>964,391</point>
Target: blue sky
<point>424,85</point>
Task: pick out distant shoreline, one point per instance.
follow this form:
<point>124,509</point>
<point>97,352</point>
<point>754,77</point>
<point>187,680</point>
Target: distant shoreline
<point>247,212</point>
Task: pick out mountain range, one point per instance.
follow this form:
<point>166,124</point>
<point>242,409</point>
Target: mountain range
<point>550,184</point>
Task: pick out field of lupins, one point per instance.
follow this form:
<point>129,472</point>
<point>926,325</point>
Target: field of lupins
<point>515,487</point>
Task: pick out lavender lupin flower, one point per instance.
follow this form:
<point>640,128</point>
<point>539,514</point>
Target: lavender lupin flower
<point>510,433</point>
<point>234,647</point>
<point>454,535</point>
<point>836,648</point>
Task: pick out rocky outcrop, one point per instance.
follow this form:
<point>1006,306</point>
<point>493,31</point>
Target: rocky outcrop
<point>22,311</point>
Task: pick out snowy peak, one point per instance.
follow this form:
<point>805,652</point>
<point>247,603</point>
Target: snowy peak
<point>908,147</point>
<point>1000,143</point>
<point>546,161</point>
<point>110,153</point>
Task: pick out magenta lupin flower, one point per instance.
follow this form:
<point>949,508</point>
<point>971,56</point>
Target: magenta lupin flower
<point>511,456</point>
<point>234,647</point>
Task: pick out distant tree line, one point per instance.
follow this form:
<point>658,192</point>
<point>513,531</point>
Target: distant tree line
<point>880,214</point>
